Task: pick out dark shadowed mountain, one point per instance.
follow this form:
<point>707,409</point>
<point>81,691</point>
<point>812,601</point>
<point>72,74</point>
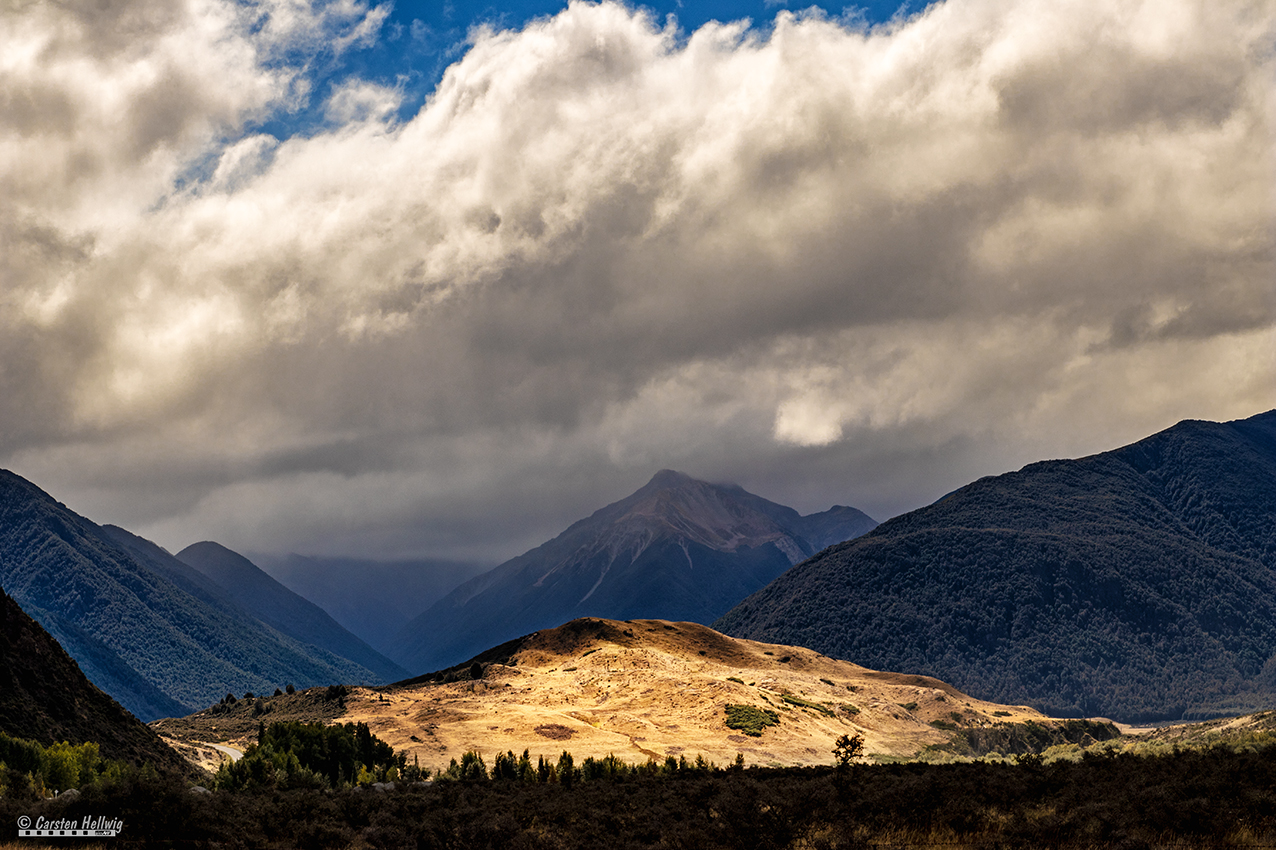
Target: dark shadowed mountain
<point>277,606</point>
<point>44,697</point>
<point>1137,584</point>
<point>157,635</point>
<point>678,549</point>
<point>373,599</point>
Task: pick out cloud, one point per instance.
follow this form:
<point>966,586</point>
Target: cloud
<point>831,262</point>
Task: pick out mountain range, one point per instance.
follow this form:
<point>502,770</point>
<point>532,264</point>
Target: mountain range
<point>677,549</point>
<point>156,634</point>
<point>1139,583</point>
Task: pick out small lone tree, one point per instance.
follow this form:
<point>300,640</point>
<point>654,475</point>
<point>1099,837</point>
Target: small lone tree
<point>846,749</point>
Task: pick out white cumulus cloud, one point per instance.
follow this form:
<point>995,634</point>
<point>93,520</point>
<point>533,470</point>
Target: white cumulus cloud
<point>833,263</point>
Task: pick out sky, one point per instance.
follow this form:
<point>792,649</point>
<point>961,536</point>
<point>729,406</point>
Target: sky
<point>422,280</point>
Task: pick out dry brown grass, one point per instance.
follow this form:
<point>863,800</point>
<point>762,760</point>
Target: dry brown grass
<point>644,689</point>
<point>236,724</point>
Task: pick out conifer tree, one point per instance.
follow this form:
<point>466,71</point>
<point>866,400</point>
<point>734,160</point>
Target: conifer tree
<point>566,769</point>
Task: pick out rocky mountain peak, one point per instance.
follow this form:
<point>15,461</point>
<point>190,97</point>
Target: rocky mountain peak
<point>677,505</point>
<point>677,548</point>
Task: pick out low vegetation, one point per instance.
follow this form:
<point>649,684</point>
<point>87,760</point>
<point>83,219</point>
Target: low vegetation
<point>750,720</point>
<point>1031,737</point>
<point>804,703</point>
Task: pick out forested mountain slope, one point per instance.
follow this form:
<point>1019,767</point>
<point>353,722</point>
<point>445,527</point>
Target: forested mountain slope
<point>1137,584</point>
<point>677,549</point>
<point>154,633</point>
<point>44,697</point>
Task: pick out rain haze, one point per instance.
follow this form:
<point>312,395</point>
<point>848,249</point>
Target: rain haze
<point>348,279</point>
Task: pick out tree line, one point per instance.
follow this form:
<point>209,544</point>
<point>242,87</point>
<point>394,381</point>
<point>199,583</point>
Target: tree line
<point>291,754</point>
<point>1189,799</point>
<point>28,767</point>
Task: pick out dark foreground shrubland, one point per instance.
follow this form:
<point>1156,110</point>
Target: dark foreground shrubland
<point>1194,798</point>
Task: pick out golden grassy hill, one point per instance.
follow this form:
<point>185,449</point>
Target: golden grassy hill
<point>638,689</point>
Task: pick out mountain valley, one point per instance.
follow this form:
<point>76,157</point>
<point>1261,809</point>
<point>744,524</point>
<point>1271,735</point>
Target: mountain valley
<point>1135,584</point>
<point>281,609</point>
<point>373,599</point>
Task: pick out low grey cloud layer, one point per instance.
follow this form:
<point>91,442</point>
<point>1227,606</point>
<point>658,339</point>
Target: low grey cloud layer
<point>829,263</point>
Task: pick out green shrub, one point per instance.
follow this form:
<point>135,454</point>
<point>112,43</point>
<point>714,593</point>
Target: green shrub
<point>749,720</point>
<point>802,703</point>
<point>608,767</point>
